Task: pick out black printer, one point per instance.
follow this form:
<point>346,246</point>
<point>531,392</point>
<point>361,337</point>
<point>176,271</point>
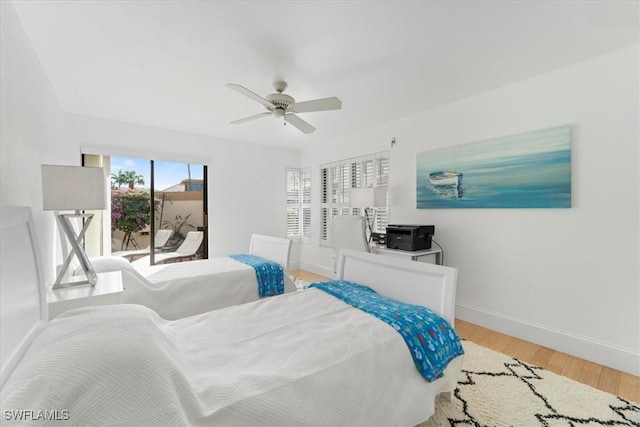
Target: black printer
<point>410,237</point>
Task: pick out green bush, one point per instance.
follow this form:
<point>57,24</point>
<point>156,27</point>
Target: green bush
<point>130,212</point>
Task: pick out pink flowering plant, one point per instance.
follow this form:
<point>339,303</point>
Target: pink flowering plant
<point>130,212</point>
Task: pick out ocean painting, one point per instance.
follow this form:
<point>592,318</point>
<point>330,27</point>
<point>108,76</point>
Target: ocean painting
<point>528,170</point>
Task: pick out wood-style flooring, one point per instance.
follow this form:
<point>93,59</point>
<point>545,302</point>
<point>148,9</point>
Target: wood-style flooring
<point>601,377</point>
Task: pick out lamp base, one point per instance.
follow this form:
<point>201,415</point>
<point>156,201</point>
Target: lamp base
<point>64,222</point>
<point>370,222</point>
<point>71,283</point>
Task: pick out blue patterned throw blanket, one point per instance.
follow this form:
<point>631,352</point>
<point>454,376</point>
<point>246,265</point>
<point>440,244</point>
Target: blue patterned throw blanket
<point>431,339</point>
<point>269,274</point>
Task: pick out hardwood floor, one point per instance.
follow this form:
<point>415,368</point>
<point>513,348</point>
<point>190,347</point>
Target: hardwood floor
<point>307,276</point>
<point>601,377</point>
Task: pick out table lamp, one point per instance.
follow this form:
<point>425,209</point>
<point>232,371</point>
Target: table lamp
<point>73,188</point>
<point>369,198</point>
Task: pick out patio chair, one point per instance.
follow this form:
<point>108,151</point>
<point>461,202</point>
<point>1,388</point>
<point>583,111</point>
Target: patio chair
<point>186,251</point>
<point>161,238</point>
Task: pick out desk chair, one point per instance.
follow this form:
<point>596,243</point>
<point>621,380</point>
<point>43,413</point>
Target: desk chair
<point>348,232</point>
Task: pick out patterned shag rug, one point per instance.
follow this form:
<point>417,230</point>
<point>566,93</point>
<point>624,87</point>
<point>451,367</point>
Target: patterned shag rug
<point>497,390</point>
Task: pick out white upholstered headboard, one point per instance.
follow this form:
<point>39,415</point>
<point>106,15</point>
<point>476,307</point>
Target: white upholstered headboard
<point>275,249</point>
<point>429,285</point>
<point>23,305</point>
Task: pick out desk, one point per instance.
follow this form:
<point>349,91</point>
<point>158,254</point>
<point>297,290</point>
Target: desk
<point>413,255</point>
<point>108,290</point>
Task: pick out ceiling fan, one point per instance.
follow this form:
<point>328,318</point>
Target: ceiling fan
<point>284,106</point>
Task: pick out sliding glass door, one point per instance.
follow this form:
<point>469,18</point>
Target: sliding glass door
<point>157,210</point>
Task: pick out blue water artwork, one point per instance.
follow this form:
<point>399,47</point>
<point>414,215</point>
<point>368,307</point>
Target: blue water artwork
<point>528,170</point>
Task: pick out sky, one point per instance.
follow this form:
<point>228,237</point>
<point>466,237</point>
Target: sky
<point>166,173</point>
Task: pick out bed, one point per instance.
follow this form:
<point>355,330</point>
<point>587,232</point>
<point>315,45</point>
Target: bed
<point>302,358</point>
<point>183,289</point>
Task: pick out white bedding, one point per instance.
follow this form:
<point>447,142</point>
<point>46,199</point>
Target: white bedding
<point>300,358</point>
<point>183,289</point>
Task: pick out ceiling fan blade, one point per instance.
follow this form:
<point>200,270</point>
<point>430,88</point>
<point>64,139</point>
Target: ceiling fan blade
<point>246,92</point>
<point>323,104</point>
<point>247,119</point>
<point>296,121</point>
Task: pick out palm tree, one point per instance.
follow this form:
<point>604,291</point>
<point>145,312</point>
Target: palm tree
<point>126,178</point>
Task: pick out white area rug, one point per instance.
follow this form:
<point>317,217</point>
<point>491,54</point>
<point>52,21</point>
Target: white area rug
<point>497,390</point>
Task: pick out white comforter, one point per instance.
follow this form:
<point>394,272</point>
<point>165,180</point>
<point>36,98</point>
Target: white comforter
<point>303,358</point>
<point>186,288</point>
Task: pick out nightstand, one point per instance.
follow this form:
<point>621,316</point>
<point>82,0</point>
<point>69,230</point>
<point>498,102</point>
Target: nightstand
<point>107,291</point>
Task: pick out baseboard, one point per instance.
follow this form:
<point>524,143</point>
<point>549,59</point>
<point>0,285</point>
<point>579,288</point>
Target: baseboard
<point>600,352</point>
<point>294,266</point>
<point>317,269</point>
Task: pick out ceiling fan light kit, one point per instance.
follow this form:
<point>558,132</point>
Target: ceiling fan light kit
<point>282,106</point>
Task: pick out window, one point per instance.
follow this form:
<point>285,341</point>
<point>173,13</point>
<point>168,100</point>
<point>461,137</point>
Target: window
<point>336,181</point>
<point>179,194</point>
<point>299,204</point>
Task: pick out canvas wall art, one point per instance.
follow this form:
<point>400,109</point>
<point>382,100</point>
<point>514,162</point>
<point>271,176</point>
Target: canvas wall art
<point>528,170</point>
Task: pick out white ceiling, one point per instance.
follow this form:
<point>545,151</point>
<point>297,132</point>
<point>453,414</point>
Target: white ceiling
<point>166,63</point>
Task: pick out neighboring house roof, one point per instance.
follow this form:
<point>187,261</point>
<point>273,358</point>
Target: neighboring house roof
<point>182,185</point>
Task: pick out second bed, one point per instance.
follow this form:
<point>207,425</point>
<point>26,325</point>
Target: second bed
<point>183,289</point>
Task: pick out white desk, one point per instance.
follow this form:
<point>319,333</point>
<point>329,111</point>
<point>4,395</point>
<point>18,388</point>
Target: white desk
<point>108,290</point>
<point>420,255</point>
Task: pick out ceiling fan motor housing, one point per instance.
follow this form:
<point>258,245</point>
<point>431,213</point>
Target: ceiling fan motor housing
<point>281,103</point>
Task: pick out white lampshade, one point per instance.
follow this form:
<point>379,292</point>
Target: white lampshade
<point>73,188</point>
<point>371,197</point>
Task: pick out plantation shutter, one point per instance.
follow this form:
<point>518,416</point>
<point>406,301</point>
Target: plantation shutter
<point>298,195</point>
<point>293,202</point>
<point>336,181</point>
<point>306,204</point>
<point>381,179</point>
<point>325,191</point>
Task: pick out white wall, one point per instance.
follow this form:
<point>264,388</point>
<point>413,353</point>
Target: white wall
<point>246,181</point>
<point>31,124</point>
<point>564,278</point>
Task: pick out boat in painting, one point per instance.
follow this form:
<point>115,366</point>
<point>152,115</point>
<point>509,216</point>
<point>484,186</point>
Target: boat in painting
<point>445,178</point>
